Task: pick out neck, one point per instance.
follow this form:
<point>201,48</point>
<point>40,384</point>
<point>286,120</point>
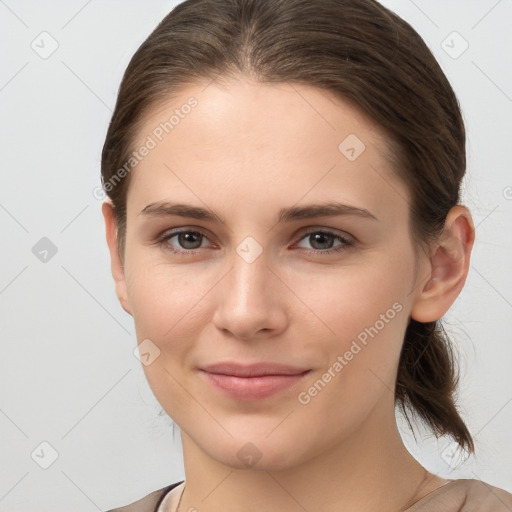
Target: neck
<point>368,470</point>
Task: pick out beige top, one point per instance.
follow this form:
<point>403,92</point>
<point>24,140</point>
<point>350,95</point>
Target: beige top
<point>454,496</point>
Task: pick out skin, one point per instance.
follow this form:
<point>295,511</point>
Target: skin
<point>246,151</point>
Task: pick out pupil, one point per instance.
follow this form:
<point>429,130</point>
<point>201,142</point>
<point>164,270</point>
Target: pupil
<point>188,238</point>
<point>318,238</point>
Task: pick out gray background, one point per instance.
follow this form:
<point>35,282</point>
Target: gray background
<point>68,376</point>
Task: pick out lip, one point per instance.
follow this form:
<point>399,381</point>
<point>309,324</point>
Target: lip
<point>253,381</point>
<point>252,370</point>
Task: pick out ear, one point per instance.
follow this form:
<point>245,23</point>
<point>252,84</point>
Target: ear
<point>116,263</point>
<point>447,267</point>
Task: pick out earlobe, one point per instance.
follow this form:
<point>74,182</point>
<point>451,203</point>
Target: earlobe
<point>448,267</point>
<point>116,263</point>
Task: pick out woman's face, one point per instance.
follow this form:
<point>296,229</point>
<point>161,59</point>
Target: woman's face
<point>268,276</point>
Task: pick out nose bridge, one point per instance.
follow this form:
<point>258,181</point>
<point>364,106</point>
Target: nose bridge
<point>247,300</point>
<point>249,275</point>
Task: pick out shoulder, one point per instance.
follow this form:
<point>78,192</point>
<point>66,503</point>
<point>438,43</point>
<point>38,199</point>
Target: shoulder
<point>489,497</point>
<point>465,496</point>
<point>149,503</point>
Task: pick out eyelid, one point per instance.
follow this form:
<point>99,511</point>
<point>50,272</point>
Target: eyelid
<point>347,242</point>
<point>346,239</point>
<point>301,233</point>
<point>323,229</point>
<point>184,229</point>
<point>171,233</point>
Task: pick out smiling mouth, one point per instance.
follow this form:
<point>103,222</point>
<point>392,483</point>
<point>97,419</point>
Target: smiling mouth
<point>252,382</point>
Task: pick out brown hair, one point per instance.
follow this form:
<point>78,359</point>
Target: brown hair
<point>359,51</point>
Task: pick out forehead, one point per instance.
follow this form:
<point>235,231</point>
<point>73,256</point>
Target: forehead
<point>271,142</point>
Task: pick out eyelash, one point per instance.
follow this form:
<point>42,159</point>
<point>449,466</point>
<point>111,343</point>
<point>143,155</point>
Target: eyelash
<point>346,243</point>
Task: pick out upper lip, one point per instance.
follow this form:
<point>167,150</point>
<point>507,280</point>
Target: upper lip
<point>253,370</point>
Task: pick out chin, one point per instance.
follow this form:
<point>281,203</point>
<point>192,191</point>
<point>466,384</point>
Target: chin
<point>252,452</point>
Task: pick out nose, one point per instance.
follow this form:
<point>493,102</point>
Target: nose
<point>251,300</point>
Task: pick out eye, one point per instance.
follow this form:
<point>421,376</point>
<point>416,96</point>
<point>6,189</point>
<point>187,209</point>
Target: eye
<point>189,241</point>
<point>322,242</point>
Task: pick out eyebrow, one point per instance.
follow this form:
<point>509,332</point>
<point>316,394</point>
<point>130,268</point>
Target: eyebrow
<point>330,209</point>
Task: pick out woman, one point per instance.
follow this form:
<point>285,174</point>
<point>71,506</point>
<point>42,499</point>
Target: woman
<point>285,229</point>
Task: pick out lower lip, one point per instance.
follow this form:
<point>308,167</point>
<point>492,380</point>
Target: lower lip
<point>251,388</point>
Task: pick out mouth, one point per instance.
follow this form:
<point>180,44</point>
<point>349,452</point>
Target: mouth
<point>252,382</point>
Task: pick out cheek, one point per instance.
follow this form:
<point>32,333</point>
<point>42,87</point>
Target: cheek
<point>338,304</point>
<point>164,299</point>
<point>360,360</point>
<point>168,309</point>
<point>362,314</point>
<point>350,300</point>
